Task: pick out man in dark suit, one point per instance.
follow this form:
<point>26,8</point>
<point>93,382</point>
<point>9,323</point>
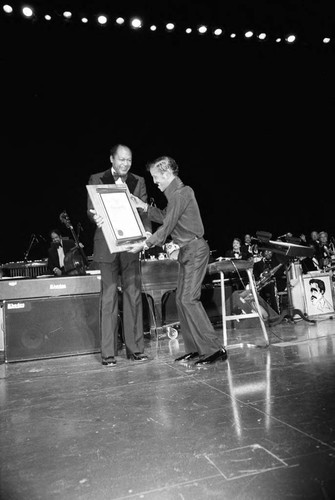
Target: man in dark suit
<point>56,253</point>
<point>123,265</point>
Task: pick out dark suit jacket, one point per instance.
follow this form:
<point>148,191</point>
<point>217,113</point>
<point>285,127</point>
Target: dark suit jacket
<point>137,187</point>
<point>53,259</point>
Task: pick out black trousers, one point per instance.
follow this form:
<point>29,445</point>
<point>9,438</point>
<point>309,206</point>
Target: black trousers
<point>195,327</point>
<point>124,271</point>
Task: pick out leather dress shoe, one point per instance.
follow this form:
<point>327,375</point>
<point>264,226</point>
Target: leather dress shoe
<point>188,356</point>
<point>220,355</point>
<point>111,361</point>
<point>137,356</point>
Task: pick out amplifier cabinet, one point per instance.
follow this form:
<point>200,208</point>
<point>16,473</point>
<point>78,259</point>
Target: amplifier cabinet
<point>49,287</point>
<point>51,327</point>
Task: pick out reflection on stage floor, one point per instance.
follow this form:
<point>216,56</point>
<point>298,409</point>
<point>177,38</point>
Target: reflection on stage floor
<point>259,426</point>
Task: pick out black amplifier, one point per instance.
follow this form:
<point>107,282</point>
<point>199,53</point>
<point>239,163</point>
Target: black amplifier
<point>25,288</point>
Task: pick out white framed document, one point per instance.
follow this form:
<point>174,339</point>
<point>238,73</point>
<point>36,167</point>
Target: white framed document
<point>122,224</point>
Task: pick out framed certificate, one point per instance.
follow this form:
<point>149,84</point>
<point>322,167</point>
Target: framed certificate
<point>122,224</point>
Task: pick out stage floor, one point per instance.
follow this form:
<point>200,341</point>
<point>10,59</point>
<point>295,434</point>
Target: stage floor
<point>260,426</point>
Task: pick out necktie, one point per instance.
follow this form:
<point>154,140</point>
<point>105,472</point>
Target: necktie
<point>122,177</point>
<point>61,255</point>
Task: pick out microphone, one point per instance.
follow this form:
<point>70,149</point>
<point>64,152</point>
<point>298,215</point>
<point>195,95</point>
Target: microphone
<point>39,236</point>
<point>283,235</point>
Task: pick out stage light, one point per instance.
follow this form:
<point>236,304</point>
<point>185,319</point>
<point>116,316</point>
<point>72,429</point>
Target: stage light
<point>27,11</point>
<point>67,14</point>
<point>188,30</point>
<point>8,9</point>
<point>153,28</point>
<point>218,32</point>
<point>202,29</point>
<point>262,36</point>
<point>102,19</point>
<point>136,23</point>
<point>248,34</point>
<point>326,39</point>
<point>232,35</point>
<point>47,17</point>
<point>84,20</point>
<point>170,26</point>
<point>290,38</point>
<point>119,20</point>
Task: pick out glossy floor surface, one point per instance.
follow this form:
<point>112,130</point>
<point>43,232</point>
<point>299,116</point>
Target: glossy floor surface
<point>258,426</point>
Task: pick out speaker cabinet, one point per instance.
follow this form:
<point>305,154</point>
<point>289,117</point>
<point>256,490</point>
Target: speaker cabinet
<point>51,327</point>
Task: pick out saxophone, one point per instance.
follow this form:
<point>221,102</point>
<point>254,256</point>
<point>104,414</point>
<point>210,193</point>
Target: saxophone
<point>266,278</point>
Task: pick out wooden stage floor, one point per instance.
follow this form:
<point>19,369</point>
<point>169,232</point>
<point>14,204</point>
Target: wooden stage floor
<point>259,426</point>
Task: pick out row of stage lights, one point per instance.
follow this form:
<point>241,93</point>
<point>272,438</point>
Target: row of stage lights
<point>136,23</point>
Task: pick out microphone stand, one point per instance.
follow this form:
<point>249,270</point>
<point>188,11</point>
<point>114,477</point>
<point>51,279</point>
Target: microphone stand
<point>31,242</point>
<point>291,311</point>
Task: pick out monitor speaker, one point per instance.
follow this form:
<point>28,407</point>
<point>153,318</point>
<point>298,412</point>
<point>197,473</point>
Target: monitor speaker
<point>51,327</point>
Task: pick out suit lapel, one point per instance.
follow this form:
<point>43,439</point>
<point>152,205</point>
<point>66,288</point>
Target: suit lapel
<point>107,177</point>
<point>131,182</point>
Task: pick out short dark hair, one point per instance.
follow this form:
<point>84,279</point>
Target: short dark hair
<point>320,283</point>
<point>55,230</point>
<point>113,149</point>
<point>164,163</point>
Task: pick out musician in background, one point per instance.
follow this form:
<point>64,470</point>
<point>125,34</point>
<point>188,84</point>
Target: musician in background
<point>314,239</point>
<point>238,280</point>
<point>324,252</point>
<point>248,248</point>
<point>310,263</point>
<point>265,272</point>
<point>237,251</point>
<point>56,252</point>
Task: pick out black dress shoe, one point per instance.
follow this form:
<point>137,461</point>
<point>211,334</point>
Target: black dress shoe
<point>220,355</point>
<point>111,361</point>
<point>137,356</point>
<point>188,356</point>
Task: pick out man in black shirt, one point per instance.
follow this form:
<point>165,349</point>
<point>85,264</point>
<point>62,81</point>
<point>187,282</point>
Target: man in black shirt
<point>182,221</point>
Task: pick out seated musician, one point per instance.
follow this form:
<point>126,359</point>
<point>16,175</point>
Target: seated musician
<point>265,272</point>
<point>249,248</point>
<point>237,251</point>
<point>237,280</point>
<point>310,263</point>
<point>56,253</point>
<point>324,253</point>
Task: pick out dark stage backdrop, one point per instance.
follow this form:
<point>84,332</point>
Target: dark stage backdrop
<point>249,123</point>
